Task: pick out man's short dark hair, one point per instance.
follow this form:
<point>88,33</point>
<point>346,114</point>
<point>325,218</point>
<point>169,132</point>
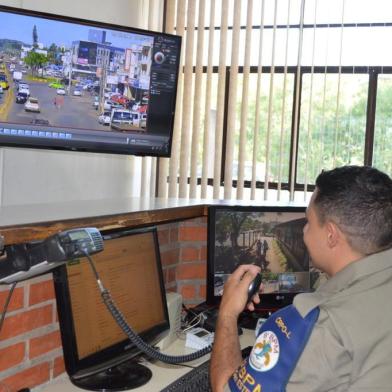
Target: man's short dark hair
<point>359,200</point>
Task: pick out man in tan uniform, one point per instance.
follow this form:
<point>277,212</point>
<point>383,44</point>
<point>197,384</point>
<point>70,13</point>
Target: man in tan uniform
<point>348,236</point>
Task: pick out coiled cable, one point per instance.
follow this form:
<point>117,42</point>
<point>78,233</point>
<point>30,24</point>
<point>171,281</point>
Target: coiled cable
<point>133,336</point>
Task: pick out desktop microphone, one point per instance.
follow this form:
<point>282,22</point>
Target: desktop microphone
<point>24,261</point>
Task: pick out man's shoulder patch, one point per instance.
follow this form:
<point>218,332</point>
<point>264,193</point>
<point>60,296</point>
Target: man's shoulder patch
<point>265,352</point>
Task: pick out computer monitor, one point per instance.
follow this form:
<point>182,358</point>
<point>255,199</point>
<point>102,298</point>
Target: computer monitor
<point>75,84</point>
<point>97,354</point>
<point>270,237</point>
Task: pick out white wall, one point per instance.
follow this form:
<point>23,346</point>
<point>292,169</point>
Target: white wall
<point>42,176</point>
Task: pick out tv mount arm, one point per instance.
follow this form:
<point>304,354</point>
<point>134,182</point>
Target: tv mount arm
<point>25,261</point>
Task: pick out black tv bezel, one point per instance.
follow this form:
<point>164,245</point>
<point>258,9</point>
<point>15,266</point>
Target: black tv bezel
<point>118,353</point>
<point>90,146</point>
<point>269,302</point>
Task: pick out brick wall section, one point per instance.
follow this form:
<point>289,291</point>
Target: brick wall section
<point>30,343</point>
<point>184,258</point>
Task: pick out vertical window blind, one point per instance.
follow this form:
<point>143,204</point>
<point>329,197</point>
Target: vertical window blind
<point>271,92</point>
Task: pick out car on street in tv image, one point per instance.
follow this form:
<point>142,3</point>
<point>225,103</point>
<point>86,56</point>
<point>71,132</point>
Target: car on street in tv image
<point>271,240</point>
<point>21,97</point>
<point>32,105</point>
<point>104,117</point>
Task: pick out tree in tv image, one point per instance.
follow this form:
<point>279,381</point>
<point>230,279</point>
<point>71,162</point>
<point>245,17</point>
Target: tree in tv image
<point>93,70</point>
<point>271,240</point>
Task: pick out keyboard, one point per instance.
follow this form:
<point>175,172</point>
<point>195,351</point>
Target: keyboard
<point>198,379</point>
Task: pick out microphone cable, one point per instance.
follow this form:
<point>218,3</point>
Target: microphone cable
<point>133,336</point>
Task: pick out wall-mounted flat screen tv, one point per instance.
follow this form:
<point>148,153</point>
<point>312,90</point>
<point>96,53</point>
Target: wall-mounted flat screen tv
<point>73,84</point>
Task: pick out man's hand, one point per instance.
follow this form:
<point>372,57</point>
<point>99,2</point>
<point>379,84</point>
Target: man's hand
<point>235,293</point>
<point>226,352</point>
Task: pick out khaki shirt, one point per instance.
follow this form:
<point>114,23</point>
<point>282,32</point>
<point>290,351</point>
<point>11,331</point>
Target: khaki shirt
<point>350,348</point>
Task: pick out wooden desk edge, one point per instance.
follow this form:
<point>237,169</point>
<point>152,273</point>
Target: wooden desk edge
<point>38,231</point>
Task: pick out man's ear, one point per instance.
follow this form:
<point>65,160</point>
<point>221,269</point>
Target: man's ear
<point>333,234</point>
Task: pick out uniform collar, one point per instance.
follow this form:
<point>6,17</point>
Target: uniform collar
<point>344,279</point>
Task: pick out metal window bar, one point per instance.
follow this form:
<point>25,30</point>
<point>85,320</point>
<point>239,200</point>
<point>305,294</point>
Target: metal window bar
<point>296,106</point>
<point>220,99</point>
<point>311,26</point>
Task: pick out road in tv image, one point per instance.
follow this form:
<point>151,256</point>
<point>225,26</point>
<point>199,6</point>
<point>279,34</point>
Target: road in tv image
<point>273,241</point>
<point>67,75</point>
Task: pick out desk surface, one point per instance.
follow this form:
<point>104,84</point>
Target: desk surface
<point>162,373</point>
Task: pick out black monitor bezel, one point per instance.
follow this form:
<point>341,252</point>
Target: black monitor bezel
<point>269,302</point>
<point>117,353</point>
<point>90,146</point>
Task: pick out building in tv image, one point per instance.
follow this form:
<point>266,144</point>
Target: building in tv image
<point>271,240</point>
<point>86,79</point>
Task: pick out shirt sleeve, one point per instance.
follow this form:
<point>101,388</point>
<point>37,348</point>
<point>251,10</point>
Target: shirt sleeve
<point>325,364</point>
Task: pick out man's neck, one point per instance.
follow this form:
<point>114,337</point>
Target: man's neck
<point>344,257</point>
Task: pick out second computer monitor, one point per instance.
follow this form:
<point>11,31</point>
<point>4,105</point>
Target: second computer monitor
<point>270,237</point>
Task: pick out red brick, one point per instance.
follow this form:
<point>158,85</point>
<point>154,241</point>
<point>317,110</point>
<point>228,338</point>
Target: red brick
<point>41,292</point>
<point>191,271</point>
<point>203,291</point>
<point>203,253</point>
<point>16,299</point>
<point>170,257</point>
<point>188,292</point>
<point>58,366</point>
<point>195,233</point>
<point>194,222</point>
<point>28,378</point>
<point>11,356</point>
<point>174,234</point>
<point>163,236</point>
<point>4,387</point>
<point>189,254</point>
<point>26,321</point>
<point>44,344</point>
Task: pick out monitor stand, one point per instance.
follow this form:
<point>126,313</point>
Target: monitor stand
<point>127,375</point>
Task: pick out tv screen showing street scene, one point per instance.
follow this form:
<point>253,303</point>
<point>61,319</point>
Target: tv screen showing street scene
<point>273,240</point>
<point>85,85</point>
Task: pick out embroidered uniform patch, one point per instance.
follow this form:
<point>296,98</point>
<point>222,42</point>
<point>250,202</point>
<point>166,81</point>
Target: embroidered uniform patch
<point>275,354</point>
<point>265,352</point>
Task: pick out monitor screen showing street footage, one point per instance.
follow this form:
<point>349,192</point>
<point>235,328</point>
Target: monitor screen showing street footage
<point>271,238</point>
<point>68,83</point>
